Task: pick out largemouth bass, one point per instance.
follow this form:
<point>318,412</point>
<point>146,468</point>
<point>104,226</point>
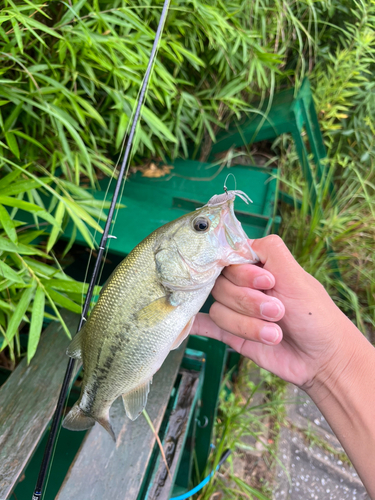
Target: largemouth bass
<point>148,305</point>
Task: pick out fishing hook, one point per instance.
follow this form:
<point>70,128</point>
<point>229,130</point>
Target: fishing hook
<point>225,182</point>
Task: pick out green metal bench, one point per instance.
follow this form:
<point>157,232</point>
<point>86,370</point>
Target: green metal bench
<point>290,112</point>
<point>152,202</point>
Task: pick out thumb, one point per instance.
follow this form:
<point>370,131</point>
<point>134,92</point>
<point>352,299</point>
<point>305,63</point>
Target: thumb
<point>276,258</point>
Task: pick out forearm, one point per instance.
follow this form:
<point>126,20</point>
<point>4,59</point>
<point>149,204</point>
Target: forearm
<point>344,391</point>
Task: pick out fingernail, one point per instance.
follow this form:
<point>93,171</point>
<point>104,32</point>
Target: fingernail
<point>269,334</point>
<point>262,282</point>
<point>270,310</point>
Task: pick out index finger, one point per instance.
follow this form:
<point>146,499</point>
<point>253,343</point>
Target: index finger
<point>249,275</point>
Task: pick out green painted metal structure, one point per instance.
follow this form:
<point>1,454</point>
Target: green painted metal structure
<point>152,202</point>
<point>290,111</point>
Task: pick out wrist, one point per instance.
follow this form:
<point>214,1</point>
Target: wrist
<point>342,365</point>
<point>344,393</point>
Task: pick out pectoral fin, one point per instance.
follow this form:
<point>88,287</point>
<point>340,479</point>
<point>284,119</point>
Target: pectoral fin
<point>185,332</point>
<point>156,311</point>
<point>135,401</point>
<point>74,348</point>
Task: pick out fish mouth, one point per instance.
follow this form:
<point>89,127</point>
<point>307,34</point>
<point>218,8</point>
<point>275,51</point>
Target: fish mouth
<point>233,241</point>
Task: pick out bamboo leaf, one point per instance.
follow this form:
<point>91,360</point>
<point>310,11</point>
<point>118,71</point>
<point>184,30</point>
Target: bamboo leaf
<point>6,306</point>
<point>36,324</point>
<point>29,207</point>
<point>12,143</point>
<point>19,312</point>
<point>91,111</point>
<point>9,201</point>
<point>157,125</point>
<point>121,129</point>
<point>71,13</point>
<point>69,286</point>
<point>42,27</point>
<point>8,273</point>
<point>12,118</point>
<point>9,178</point>
<point>8,224</point>
<point>22,185</point>
<point>81,227</point>
<point>41,269</point>
<point>59,215</point>
<point>48,217</point>
<point>30,139</point>
<point>64,301</point>
<point>9,247</point>
<point>74,207</point>
<point>17,33</point>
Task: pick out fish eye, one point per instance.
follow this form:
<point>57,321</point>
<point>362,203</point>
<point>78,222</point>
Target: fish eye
<point>201,224</point>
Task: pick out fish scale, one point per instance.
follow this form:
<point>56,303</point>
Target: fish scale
<point>147,308</point>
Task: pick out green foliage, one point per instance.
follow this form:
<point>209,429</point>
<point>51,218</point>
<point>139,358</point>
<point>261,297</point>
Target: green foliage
<point>345,219</point>
<point>333,239</point>
<point>28,280</point>
<point>70,76</point>
<point>249,411</point>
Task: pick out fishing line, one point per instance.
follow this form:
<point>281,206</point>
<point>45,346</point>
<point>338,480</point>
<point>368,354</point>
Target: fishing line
<point>102,246</point>
<point>107,191</point>
<point>125,177</point>
<point>126,172</point>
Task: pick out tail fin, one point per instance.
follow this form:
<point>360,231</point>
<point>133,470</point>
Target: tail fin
<point>77,420</point>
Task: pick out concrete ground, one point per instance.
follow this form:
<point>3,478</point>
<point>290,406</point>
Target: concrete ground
<point>311,461</point>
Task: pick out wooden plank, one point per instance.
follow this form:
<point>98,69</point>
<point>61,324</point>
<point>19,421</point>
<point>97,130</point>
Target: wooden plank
<point>103,469</point>
<point>28,399</point>
<point>162,483</point>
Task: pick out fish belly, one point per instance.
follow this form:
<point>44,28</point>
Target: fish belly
<point>129,359</point>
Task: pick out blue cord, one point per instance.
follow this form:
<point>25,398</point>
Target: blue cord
<point>197,488</point>
<point>204,482</point>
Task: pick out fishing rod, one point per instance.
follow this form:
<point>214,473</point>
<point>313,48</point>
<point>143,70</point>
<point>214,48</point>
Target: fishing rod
<point>102,246</point>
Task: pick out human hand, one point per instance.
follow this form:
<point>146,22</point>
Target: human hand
<point>278,315</point>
